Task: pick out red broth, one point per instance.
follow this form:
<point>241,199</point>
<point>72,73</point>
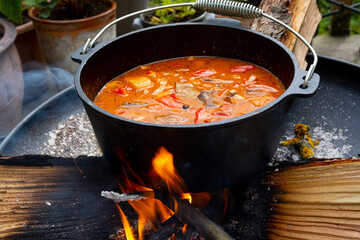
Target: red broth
<point>189,91</point>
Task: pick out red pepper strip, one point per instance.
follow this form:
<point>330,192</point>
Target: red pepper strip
<point>262,87</point>
<point>124,91</point>
<point>201,114</point>
<point>221,94</point>
<point>244,68</point>
<point>170,101</point>
<point>175,97</point>
<point>225,110</point>
<point>203,73</point>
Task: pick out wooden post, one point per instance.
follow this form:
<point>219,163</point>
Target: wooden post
<point>340,22</point>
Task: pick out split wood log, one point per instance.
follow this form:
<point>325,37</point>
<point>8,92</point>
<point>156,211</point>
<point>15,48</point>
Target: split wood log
<point>305,17</point>
<point>302,15</point>
<point>318,200</point>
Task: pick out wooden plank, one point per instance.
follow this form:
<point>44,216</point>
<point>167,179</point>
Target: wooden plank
<point>310,21</point>
<point>318,200</point>
<point>307,206</point>
<point>318,230</point>
<point>43,197</point>
<point>351,223</point>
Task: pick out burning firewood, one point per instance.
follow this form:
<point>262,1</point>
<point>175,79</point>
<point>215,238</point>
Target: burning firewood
<point>182,208</point>
<point>125,197</point>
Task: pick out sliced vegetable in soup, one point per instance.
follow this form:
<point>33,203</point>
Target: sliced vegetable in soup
<point>189,90</point>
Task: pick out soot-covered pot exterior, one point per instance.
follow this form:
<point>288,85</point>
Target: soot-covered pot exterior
<point>208,156</point>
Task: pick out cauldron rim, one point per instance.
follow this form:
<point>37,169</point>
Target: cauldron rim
<point>80,58</point>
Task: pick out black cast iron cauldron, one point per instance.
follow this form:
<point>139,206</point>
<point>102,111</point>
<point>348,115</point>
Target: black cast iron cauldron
<point>208,156</point>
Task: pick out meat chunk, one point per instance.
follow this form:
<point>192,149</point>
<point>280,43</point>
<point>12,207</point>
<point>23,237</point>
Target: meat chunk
<point>186,90</point>
<point>207,97</point>
<point>171,119</point>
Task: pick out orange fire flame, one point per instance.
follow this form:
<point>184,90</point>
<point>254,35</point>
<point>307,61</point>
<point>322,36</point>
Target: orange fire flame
<point>151,211</point>
<point>163,165</point>
<point>127,227</point>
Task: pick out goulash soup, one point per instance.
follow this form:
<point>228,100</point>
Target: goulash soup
<point>189,90</point>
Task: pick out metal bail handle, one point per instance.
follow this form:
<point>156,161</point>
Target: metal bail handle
<point>223,7</point>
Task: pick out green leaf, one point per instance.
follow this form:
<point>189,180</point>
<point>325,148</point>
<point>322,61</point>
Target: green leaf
<point>12,9</point>
<point>31,2</point>
<point>170,14</point>
<point>45,4</point>
<point>166,2</point>
<point>187,11</point>
<point>45,13</point>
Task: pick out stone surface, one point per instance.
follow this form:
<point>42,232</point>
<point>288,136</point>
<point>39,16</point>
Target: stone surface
<point>341,47</point>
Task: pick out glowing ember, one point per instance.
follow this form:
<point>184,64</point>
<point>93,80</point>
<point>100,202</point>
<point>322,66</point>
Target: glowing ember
<point>184,228</point>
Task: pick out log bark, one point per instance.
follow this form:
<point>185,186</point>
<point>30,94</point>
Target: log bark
<point>279,9</point>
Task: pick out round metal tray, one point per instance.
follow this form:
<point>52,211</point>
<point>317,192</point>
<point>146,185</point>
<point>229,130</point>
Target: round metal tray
<point>335,107</point>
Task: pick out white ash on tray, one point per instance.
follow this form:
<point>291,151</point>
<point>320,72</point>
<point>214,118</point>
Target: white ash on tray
<point>75,136</point>
<point>71,138</point>
<point>326,149</point>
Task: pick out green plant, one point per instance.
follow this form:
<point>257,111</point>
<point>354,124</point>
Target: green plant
<point>324,25</point>
<point>13,9</point>
<point>172,14</point>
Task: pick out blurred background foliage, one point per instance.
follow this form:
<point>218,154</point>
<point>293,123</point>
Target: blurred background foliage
<point>324,26</point>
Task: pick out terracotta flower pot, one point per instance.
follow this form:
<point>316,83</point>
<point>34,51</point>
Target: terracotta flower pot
<point>27,44</point>
<point>59,38</point>
<point>11,79</point>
